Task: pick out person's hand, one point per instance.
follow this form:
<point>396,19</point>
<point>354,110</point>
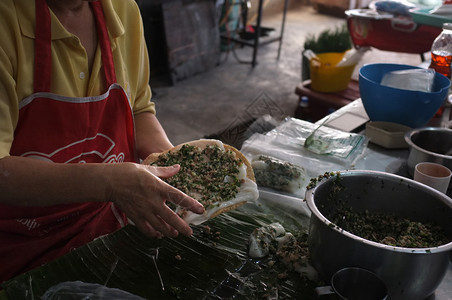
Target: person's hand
<point>141,194</point>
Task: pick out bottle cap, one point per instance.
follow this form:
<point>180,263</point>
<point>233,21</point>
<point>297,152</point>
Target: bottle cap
<point>447,26</point>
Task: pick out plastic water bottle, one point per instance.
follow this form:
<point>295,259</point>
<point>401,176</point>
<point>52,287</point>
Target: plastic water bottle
<point>442,51</point>
<point>303,110</point>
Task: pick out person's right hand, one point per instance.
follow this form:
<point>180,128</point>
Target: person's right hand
<point>141,194</point>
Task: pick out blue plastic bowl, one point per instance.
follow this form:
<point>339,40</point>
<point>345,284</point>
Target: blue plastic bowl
<point>410,108</point>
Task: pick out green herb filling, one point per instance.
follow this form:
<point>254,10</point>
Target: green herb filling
<point>209,175</point>
<point>277,175</point>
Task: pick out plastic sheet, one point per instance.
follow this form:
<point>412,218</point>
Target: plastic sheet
<point>332,150</point>
<point>213,264</point>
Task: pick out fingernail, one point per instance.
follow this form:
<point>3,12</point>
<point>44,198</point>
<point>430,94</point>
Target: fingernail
<point>200,209</point>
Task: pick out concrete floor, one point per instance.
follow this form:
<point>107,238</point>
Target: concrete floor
<point>233,92</point>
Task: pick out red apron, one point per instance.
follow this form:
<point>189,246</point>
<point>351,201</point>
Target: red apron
<point>63,129</point>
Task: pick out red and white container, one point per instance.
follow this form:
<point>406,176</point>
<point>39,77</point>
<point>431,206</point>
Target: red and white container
<point>385,31</point>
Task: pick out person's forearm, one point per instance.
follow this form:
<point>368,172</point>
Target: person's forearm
<point>137,190</point>
<point>32,182</point>
<point>150,136</point>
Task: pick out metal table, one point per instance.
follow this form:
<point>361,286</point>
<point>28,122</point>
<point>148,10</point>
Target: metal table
<point>256,42</point>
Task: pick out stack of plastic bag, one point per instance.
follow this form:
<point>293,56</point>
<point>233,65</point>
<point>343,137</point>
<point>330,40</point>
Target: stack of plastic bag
<point>331,149</point>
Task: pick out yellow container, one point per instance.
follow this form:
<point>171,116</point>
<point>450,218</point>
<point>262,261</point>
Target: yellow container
<point>326,77</point>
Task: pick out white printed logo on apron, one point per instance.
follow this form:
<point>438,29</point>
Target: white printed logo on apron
<point>102,145</point>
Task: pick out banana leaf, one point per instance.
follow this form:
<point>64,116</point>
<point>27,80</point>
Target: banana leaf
<point>212,264</point>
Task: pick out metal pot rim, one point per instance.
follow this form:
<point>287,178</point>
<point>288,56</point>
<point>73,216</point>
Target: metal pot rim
<point>314,210</point>
<point>411,144</point>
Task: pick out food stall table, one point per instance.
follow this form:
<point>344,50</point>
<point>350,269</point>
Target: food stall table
<point>213,264</point>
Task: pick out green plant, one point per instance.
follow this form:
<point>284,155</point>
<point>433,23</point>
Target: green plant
<point>330,40</point>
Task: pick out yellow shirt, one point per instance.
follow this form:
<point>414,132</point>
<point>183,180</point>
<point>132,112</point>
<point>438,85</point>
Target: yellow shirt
<point>70,71</point>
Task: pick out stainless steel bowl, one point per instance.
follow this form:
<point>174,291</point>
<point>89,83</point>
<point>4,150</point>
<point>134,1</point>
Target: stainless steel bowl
<point>409,273</point>
<point>431,144</point>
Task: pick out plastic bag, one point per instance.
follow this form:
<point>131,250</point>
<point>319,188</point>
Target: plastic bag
<point>398,7</point>
<point>333,145</point>
<point>78,290</point>
<point>352,57</point>
<point>412,79</point>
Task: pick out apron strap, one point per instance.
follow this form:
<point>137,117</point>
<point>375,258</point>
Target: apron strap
<point>43,50</point>
<point>105,44</point>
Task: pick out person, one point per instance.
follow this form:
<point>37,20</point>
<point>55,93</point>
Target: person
<point>75,120</point>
